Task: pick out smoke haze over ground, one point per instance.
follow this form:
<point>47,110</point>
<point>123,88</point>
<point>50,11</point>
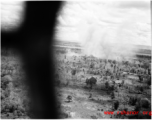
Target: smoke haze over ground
<point>101,28</point>
<point>105,29</point>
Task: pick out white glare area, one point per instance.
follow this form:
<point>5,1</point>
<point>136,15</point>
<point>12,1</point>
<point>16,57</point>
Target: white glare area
<point>11,14</point>
<point>96,25</point>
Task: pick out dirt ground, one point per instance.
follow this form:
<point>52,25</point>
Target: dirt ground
<point>81,106</point>
<point>85,102</point>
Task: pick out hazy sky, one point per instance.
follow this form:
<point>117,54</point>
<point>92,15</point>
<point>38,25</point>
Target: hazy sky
<point>114,21</point>
<point>12,14</point>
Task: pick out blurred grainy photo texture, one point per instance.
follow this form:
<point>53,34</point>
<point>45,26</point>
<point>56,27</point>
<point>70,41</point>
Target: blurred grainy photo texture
<point>27,68</point>
<point>72,59</point>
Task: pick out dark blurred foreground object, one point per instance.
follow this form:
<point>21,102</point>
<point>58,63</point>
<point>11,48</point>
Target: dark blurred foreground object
<point>33,41</point>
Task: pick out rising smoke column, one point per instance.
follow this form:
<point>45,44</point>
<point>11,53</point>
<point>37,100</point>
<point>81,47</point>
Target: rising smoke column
<point>107,42</point>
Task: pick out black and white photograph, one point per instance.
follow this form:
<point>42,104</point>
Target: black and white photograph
<point>76,59</point>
